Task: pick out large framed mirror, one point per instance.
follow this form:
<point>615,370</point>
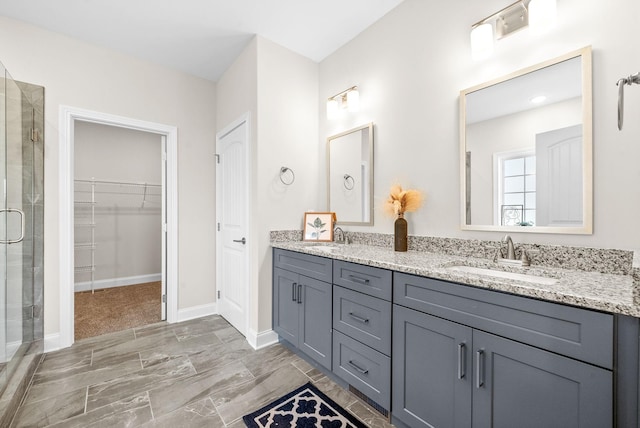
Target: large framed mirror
<point>526,149</point>
<point>350,176</point>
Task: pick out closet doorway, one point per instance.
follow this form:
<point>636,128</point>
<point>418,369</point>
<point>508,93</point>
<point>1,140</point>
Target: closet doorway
<point>118,236</point>
<point>166,138</point>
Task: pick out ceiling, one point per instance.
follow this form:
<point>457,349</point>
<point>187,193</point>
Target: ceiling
<point>203,37</point>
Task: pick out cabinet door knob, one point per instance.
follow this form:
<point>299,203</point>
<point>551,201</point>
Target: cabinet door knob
<point>461,360</point>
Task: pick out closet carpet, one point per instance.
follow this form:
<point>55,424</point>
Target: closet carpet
<point>115,309</point>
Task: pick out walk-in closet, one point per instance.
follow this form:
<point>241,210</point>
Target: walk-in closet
<point>118,248</point>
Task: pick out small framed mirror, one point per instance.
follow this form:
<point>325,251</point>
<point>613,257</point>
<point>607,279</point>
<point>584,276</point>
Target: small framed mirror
<point>350,176</point>
<point>526,149</point>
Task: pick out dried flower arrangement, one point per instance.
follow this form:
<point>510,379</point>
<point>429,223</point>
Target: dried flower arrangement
<point>401,201</point>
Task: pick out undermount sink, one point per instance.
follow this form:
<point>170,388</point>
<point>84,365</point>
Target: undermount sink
<point>534,279</point>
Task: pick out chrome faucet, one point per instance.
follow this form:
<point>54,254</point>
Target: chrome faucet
<point>342,239</point>
<point>511,252</point>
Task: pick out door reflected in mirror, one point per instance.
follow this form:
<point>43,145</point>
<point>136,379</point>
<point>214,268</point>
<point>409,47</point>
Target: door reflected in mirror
<point>350,175</point>
<point>525,149</point>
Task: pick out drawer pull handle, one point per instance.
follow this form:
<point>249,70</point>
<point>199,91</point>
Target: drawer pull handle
<point>293,291</point>
<point>480,369</point>
<point>358,318</point>
<point>358,368</point>
<point>461,360</point>
<point>363,281</point>
<point>300,293</point>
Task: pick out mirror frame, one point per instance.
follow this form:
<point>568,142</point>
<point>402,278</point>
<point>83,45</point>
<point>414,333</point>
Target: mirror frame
<point>368,126</point>
<point>587,147</point>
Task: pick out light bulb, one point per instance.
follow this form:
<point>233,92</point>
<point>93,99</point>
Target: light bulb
<point>353,100</point>
<point>481,41</point>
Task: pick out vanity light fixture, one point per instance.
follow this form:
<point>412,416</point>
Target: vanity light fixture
<point>538,14</point>
<point>348,99</point>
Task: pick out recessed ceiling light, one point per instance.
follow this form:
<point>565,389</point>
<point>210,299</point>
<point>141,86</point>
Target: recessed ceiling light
<point>538,99</point>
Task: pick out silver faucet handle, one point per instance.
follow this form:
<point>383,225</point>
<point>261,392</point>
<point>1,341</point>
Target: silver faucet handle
<point>524,258</point>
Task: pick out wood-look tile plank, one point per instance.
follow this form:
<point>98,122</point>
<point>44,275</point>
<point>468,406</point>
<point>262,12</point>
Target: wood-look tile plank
<point>50,410</point>
<point>196,387</point>
<point>156,376</point>
<point>54,385</point>
<point>238,400</point>
<point>131,412</point>
<point>201,414</point>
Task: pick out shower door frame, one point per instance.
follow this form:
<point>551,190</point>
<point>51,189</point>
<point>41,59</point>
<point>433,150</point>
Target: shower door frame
<point>68,116</point>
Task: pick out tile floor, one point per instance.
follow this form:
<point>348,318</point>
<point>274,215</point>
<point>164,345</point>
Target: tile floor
<point>199,373</point>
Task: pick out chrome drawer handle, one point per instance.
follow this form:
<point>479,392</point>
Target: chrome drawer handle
<point>358,368</point>
<point>357,318</point>
<point>461,360</point>
<point>363,281</point>
<point>480,369</point>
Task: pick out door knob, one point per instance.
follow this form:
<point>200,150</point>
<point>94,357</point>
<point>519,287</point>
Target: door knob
<point>241,241</point>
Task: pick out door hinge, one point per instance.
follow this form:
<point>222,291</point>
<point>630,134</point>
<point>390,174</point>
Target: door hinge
<point>164,227</point>
<point>34,135</point>
<point>218,227</point>
<point>164,298</point>
<point>217,158</point>
<point>164,156</point>
<point>218,294</point>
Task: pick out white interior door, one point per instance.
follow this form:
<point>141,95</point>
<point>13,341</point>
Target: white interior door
<point>232,224</point>
<point>559,177</point>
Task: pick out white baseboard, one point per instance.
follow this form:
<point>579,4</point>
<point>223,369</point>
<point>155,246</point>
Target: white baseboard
<point>262,339</point>
<point>117,282</point>
<point>197,312</point>
<point>52,342</point>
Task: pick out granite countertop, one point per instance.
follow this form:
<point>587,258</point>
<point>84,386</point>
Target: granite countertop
<point>614,293</point>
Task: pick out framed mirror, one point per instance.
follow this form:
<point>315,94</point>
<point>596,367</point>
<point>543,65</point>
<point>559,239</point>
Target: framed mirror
<point>526,149</point>
<point>350,176</point>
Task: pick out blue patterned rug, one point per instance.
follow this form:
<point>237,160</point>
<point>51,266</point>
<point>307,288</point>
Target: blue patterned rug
<point>306,407</point>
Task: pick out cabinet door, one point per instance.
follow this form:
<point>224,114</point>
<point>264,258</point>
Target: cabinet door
<point>285,305</point>
<point>431,370</point>
<point>516,385</point>
<point>315,320</point>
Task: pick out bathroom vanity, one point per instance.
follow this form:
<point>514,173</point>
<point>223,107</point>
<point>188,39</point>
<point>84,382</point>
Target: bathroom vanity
<point>432,344</point>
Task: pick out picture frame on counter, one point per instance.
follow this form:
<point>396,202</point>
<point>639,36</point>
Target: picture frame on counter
<point>318,226</point>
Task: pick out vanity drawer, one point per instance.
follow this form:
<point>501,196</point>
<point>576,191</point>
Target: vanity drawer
<point>364,368</point>
<point>370,280</point>
<point>305,264</point>
<point>579,333</point>
<point>364,318</point>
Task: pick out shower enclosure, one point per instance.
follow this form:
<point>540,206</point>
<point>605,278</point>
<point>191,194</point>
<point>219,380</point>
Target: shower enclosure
<point>21,237</point>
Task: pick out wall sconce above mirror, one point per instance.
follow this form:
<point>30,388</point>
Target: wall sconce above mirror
<point>349,100</point>
<point>350,176</point>
<point>526,149</point>
<point>538,15</point>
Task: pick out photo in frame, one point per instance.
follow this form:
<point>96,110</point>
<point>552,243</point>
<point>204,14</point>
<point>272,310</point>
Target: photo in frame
<point>318,226</point>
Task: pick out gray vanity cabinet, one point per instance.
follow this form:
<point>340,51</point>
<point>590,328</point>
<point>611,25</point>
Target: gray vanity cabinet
<point>432,372</point>
<point>454,367</point>
<point>302,304</point>
<point>515,385</point>
<point>362,329</point>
